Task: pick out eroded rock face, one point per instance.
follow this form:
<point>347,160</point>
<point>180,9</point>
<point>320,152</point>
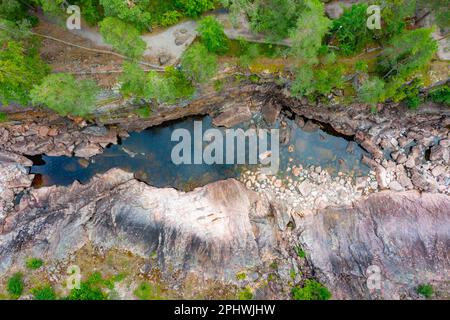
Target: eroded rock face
<point>215,231</point>
<point>406,235</point>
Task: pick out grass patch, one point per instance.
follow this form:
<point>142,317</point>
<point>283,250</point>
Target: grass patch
<point>149,291</point>
<point>144,112</point>
<point>44,293</point>
<point>245,294</point>
<point>16,285</point>
<point>241,275</point>
<point>3,117</point>
<point>300,252</point>
<point>312,290</point>
<point>425,290</point>
<point>34,263</point>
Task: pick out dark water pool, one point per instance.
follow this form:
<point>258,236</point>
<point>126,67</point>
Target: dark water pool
<point>148,155</point>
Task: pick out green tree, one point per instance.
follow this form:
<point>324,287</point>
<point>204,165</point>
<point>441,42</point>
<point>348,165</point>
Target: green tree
<point>194,8</point>
<point>20,69</point>
<point>312,25</point>
<point>312,290</point>
<point>350,29</point>
<point>135,14</point>
<point>212,35</point>
<point>372,91</point>
<point>66,95</point>
<point>275,17</point>
<point>168,87</point>
<point>198,64</point>
<point>123,37</point>
<point>406,55</point>
<point>132,80</point>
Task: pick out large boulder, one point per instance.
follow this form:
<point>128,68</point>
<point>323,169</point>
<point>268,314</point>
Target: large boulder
<point>215,231</point>
<point>405,236</point>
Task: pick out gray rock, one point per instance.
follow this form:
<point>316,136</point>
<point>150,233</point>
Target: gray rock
<point>396,186</point>
<point>404,234</point>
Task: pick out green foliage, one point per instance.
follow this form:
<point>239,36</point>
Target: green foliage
<point>149,291</point>
<point>20,69</point>
<point>123,37</point>
<point>13,10</point>
<point>91,289</point>
<point>132,81</point>
<point>425,290</point>
<point>300,252</point>
<point>91,10</point>
<point>15,285</point>
<point>144,112</point>
<point>135,15</point>
<point>312,25</point>
<point>440,10</point>
<point>276,18</point>
<point>198,64</point>
<point>194,8</point>
<point>394,14</point>
<point>3,117</point>
<point>372,91</point>
<point>441,95</point>
<point>241,275</point>
<point>212,35</point>
<point>361,66</point>
<point>245,294</point>
<point>350,29</point>
<point>169,87</point>
<point>44,293</point>
<point>170,18</point>
<point>66,95</point>
<point>34,263</point>
<point>406,55</point>
<point>250,53</point>
<point>312,290</point>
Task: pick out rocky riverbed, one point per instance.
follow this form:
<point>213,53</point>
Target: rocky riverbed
<point>396,217</point>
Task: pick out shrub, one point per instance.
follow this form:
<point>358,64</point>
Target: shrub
<point>91,10</point>
<point>425,290</point>
<point>21,68</point>
<point>300,252</point>
<point>123,37</point>
<point>44,293</point>
<point>212,35</point>
<point>198,64</point>
<point>241,276</point>
<point>66,95</point>
<point>15,285</point>
<point>144,112</point>
<point>170,18</point>
<point>194,8</point>
<point>135,15</point>
<point>131,80</point>
<point>350,29</point>
<point>34,263</point>
<point>3,117</point>
<point>441,95</point>
<point>312,290</point>
<point>147,291</point>
<point>245,294</point>
<point>372,91</point>
<point>168,87</point>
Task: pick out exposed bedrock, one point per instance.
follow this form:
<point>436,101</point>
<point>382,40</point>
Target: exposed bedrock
<point>216,231</point>
<point>220,229</point>
<point>406,235</point>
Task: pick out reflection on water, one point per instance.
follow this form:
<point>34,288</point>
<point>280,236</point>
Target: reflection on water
<point>148,155</point>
